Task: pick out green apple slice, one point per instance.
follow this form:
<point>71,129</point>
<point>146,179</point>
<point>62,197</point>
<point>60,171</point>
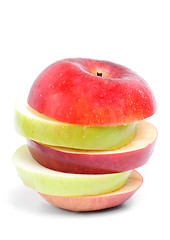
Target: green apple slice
<point>40,128</point>
<point>51,182</point>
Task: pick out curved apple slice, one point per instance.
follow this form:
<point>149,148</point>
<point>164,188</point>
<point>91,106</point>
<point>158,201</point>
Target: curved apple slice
<point>92,203</point>
<point>131,156</point>
<point>52,182</point>
<point>38,127</point>
<point>71,91</point>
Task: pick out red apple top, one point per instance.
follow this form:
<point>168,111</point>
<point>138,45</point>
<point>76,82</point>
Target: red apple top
<point>92,93</point>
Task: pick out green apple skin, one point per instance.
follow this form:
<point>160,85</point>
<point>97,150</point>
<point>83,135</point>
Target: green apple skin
<point>40,128</point>
<point>69,160</point>
<point>98,202</point>
<point>51,182</point>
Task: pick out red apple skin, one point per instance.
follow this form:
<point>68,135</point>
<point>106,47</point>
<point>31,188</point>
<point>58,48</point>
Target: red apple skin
<point>93,203</point>
<point>89,163</point>
<point>70,91</point>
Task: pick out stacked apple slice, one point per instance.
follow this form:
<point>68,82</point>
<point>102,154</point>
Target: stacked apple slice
<point>85,132</point>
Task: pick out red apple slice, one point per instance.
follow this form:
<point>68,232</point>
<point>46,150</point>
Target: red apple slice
<point>92,203</point>
<point>131,156</point>
<point>72,91</point>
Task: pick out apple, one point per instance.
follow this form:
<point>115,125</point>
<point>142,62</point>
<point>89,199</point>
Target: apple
<point>91,93</point>
<point>52,182</point>
<point>40,128</point>
<point>92,203</point>
<point>131,156</point>
<point>83,120</point>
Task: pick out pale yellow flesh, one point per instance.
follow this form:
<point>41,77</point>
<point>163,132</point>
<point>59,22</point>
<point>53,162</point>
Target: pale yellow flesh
<point>146,133</point>
<point>52,182</point>
<point>37,127</point>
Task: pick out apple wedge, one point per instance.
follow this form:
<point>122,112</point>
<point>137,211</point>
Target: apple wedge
<point>40,128</point>
<point>52,182</point>
<point>92,203</point>
<point>133,155</point>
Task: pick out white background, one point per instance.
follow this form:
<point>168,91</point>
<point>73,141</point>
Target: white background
<point>34,34</point>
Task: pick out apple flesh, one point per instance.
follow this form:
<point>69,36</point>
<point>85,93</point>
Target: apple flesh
<point>40,128</point>
<point>93,203</point>
<point>118,97</point>
<point>131,156</point>
<point>51,182</point>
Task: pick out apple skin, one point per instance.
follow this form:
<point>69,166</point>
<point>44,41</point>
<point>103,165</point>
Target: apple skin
<point>89,164</point>
<point>52,182</point>
<point>98,162</point>
<point>99,202</point>
<point>40,128</point>
<point>70,91</point>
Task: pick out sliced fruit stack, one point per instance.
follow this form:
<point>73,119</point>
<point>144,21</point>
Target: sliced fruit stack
<point>83,121</point>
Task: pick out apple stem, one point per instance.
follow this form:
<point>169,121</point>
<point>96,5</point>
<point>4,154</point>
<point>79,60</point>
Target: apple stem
<point>99,74</point>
